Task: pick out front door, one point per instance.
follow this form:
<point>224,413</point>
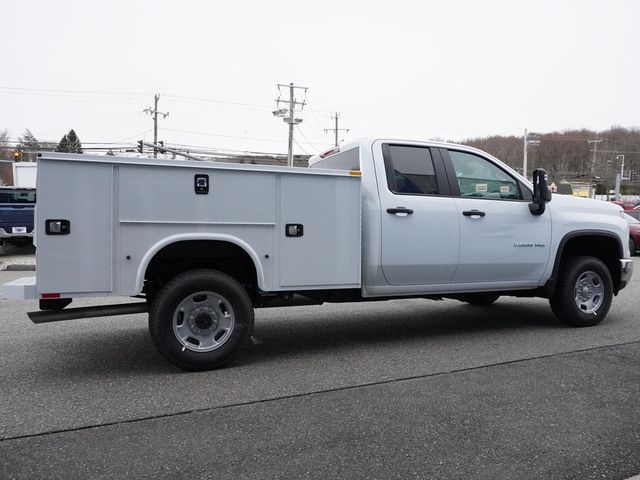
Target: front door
<point>500,240</point>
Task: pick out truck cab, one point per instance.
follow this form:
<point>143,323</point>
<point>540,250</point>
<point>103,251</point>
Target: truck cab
<point>444,218</point>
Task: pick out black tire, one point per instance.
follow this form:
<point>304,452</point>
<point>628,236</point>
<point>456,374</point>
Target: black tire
<point>584,292</point>
<point>21,242</point>
<point>479,299</point>
<point>201,319</point>
<point>632,247</point>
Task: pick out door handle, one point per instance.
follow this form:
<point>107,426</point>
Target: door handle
<point>408,211</point>
<point>473,213</point>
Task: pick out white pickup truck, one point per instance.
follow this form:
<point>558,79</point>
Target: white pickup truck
<point>205,243</point>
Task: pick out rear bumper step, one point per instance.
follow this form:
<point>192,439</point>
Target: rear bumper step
<point>88,312</point>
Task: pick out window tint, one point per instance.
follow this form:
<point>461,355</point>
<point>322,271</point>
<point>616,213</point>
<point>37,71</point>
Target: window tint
<point>478,177</point>
<point>17,196</point>
<point>410,170</point>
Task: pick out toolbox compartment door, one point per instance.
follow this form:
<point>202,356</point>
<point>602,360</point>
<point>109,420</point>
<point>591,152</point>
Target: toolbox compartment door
<point>80,260</point>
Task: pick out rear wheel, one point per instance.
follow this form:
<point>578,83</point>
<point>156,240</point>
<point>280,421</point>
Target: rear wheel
<point>201,319</point>
<point>632,246</point>
<point>584,292</point>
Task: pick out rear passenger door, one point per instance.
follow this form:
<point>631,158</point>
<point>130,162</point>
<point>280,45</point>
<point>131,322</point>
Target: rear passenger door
<point>420,236</point>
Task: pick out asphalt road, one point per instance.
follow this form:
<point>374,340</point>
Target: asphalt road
<point>400,389</point>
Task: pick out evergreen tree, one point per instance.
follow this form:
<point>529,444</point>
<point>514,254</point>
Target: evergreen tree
<point>70,143</point>
<point>74,142</point>
<point>63,146</point>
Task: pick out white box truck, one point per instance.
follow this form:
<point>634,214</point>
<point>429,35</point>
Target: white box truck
<point>205,243</point>
<point>24,174</point>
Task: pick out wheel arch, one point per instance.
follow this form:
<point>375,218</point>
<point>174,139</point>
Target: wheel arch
<point>600,244</point>
<point>214,240</point>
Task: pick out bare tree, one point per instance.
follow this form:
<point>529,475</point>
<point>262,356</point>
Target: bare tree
<point>6,174</point>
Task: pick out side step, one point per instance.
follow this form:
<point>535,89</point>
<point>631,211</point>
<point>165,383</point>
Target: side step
<point>88,312</point>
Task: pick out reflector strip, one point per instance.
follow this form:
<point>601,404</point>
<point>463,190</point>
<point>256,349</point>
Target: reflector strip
<point>50,295</point>
<point>355,173</point>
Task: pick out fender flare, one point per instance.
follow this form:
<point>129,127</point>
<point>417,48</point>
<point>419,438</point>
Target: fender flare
<point>182,237</point>
<point>550,285</point>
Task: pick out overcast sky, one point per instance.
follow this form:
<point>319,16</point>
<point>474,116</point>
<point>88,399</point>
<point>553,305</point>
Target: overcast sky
<point>411,69</point>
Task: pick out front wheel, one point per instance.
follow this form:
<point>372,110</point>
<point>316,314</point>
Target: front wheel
<point>201,319</point>
<point>584,292</point>
<point>632,247</point>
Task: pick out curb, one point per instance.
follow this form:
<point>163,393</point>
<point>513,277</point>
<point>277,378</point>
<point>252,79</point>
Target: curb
<point>19,268</point>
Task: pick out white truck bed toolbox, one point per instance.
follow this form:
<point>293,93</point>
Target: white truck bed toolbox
<point>102,220</point>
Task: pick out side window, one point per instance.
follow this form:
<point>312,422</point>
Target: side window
<point>478,177</point>
<point>346,160</point>
<point>410,170</point>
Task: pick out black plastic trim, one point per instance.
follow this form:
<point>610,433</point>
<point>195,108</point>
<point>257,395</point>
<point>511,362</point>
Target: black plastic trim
<point>474,212</point>
<point>550,285</point>
<point>408,211</point>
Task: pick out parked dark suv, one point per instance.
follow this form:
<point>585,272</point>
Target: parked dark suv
<point>16,215</point>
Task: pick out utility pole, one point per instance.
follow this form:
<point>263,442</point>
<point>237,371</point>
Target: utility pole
<point>154,113</point>
<point>619,178</point>
<point>290,114</point>
<point>593,164</point>
<point>336,129</point>
<point>618,157</point>
<point>528,142</point>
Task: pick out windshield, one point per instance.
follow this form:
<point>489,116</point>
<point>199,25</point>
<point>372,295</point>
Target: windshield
<point>17,196</point>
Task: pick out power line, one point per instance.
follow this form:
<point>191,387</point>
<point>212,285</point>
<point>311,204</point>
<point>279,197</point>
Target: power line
<point>214,101</point>
<point>303,150</point>
<point>315,117</point>
<point>220,135</point>
<point>49,91</point>
<point>307,140</point>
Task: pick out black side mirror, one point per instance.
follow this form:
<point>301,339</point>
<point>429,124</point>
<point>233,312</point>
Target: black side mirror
<point>541,192</point>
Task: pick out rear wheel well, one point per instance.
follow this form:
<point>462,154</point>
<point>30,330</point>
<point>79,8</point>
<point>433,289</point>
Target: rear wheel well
<point>180,257</point>
<point>604,247</point>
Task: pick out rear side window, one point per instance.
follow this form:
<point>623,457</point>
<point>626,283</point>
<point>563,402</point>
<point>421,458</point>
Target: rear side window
<point>347,160</point>
<point>478,177</point>
<point>410,170</point>
<point>17,196</point>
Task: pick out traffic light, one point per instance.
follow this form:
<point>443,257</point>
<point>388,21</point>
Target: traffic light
<point>17,156</point>
<point>140,146</point>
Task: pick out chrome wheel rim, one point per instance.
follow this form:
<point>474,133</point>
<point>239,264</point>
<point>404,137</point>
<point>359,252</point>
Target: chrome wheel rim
<point>203,321</point>
<point>589,292</point>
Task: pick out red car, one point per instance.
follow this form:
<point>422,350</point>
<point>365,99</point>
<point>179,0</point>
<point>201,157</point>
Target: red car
<point>634,233</point>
